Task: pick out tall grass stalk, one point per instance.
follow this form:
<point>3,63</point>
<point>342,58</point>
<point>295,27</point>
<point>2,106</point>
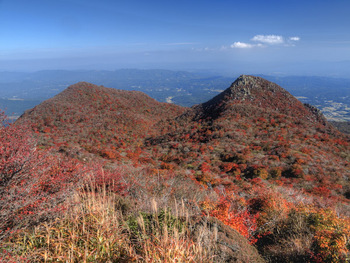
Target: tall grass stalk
<point>95,230</point>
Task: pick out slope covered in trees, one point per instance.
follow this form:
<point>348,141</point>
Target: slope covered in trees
<point>258,176</point>
<point>98,120</point>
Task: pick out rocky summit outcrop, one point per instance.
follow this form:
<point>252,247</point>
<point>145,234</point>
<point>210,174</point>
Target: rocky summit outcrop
<point>255,92</point>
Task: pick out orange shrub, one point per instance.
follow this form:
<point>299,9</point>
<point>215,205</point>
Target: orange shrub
<point>240,220</point>
<point>331,240</point>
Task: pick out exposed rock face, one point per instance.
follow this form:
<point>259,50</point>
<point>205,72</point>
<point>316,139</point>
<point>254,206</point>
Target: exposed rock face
<point>250,88</point>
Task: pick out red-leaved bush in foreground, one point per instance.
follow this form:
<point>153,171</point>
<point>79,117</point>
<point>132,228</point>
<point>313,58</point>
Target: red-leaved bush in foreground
<point>17,151</point>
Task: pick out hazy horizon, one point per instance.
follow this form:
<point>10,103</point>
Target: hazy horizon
<point>225,37</point>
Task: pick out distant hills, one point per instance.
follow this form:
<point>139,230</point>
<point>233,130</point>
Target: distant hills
<point>179,87</point>
<point>330,95</point>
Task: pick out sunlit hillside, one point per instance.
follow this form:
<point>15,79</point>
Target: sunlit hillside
<point>103,175</point>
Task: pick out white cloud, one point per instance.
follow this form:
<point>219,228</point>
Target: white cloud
<point>241,45</point>
<point>294,38</point>
<point>245,45</point>
<point>269,39</point>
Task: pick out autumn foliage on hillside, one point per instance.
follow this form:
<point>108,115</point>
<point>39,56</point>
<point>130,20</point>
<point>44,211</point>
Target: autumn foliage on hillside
<point>98,120</point>
<point>253,164</point>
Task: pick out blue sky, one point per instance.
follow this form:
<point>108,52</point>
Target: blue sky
<point>270,37</point>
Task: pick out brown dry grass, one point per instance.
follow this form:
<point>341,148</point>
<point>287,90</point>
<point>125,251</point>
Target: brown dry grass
<point>95,230</point>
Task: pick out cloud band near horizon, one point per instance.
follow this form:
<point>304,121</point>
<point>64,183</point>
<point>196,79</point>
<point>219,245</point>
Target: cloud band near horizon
<point>266,40</point>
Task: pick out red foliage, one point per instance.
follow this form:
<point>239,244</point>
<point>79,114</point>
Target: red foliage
<point>112,180</point>
<point>239,219</point>
<point>322,191</point>
<point>251,137</point>
<point>17,151</point>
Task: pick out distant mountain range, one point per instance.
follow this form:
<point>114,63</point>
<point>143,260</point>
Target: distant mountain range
<point>21,91</point>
